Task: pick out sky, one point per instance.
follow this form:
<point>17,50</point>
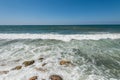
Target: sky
<point>59,12</point>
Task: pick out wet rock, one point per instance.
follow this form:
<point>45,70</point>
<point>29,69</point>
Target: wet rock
<point>17,60</point>
<point>3,65</point>
<point>41,69</point>
<point>65,62</point>
<point>27,63</point>
<point>44,64</point>
<point>55,77</point>
<point>41,59</point>
<point>3,72</point>
<point>17,68</point>
<point>34,78</point>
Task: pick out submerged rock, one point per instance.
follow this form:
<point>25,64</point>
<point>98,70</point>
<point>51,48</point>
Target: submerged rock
<point>17,68</point>
<point>44,64</point>
<point>65,62</point>
<point>3,72</point>
<point>41,59</point>
<point>34,78</point>
<point>27,63</point>
<point>17,60</point>
<point>41,69</point>
<point>55,77</point>
<point>3,65</point>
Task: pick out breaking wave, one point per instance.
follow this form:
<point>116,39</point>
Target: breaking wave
<point>63,37</point>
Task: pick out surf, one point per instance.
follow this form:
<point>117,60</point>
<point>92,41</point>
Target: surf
<point>91,59</point>
<point>63,37</point>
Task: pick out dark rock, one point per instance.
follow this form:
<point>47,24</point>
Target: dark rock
<point>41,59</point>
<point>3,65</point>
<point>65,62</point>
<point>44,64</point>
<point>41,69</point>
<point>17,60</point>
<point>4,72</point>
<point>17,68</point>
<point>27,63</point>
<point>55,77</point>
<point>34,78</point>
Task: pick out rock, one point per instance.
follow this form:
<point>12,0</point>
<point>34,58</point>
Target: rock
<point>3,65</point>
<point>65,62</point>
<point>55,77</point>
<point>17,60</point>
<point>17,68</point>
<point>41,59</point>
<point>34,78</point>
<point>44,64</point>
<point>4,72</point>
<point>27,63</point>
<point>41,69</point>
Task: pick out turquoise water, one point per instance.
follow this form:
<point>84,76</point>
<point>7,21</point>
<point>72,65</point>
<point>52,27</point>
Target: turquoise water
<point>94,52</point>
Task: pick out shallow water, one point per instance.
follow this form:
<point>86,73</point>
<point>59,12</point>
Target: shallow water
<point>92,59</point>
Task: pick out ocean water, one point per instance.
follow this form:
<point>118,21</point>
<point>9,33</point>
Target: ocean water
<point>92,50</point>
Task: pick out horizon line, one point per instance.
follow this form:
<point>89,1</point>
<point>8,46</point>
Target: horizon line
<point>55,24</point>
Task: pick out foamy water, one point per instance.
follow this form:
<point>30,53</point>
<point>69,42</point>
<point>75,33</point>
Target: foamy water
<point>94,56</point>
<point>60,36</point>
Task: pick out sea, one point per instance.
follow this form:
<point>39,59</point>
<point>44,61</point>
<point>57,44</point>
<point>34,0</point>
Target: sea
<point>88,52</point>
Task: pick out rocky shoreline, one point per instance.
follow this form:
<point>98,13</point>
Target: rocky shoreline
<point>63,62</point>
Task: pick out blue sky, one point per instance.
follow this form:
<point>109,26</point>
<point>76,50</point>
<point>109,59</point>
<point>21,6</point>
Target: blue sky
<point>55,12</point>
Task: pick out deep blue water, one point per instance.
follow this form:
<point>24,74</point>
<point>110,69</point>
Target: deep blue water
<point>63,29</point>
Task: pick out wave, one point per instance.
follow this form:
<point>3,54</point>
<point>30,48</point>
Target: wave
<point>63,37</point>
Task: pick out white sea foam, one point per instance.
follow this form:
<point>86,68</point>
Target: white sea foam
<point>63,37</point>
<point>15,52</point>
